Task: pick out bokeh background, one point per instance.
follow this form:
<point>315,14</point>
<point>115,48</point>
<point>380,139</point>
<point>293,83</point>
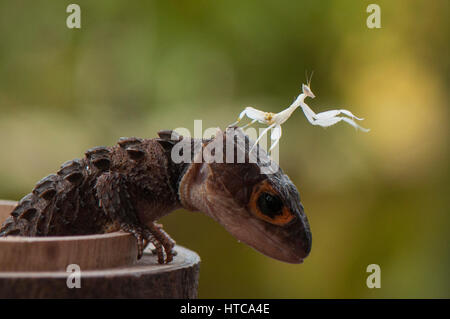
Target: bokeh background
<point>135,68</point>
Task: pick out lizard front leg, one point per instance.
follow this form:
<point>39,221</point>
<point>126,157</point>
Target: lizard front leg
<point>164,238</point>
<point>114,196</point>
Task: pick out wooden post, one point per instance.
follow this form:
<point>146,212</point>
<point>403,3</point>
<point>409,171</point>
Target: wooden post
<point>36,267</point>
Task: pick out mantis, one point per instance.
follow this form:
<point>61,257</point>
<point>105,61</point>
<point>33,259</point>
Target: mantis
<point>275,120</point>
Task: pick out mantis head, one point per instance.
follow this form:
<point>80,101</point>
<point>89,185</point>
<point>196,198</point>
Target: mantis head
<point>306,88</point>
<point>307,91</point>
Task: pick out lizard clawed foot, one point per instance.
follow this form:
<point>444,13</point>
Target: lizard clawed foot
<point>157,236</point>
<point>139,234</point>
<point>163,240</point>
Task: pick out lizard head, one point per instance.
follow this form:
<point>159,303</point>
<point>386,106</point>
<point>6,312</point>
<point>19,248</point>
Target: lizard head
<point>260,209</point>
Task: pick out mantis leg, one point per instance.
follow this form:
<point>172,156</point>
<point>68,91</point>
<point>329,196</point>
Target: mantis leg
<point>310,115</point>
<point>334,113</point>
<point>333,120</point>
<point>329,118</point>
<point>262,134</point>
<point>353,123</point>
<point>274,144</point>
<point>252,113</point>
<point>275,136</point>
<point>325,122</point>
<point>241,116</point>
<point>249,124</point>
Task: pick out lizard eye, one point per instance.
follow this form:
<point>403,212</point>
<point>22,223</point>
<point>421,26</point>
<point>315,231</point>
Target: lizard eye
<point>268,206</point>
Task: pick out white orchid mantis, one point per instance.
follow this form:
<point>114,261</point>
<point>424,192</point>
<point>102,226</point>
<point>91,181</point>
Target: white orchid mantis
<point>274,120</point>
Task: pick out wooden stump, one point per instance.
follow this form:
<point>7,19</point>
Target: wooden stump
<point>35,267</point>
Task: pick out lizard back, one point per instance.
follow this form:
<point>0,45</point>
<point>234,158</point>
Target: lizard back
<point>67,203</point>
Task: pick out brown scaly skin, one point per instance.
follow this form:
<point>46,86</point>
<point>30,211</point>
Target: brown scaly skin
<point>131,185</point>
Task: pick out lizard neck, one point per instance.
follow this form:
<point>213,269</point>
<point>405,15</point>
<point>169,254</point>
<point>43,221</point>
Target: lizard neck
<point>185,175</point>
<point>192,187</point>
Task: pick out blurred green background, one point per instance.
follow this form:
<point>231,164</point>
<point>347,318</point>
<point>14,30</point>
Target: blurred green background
<point>135,68</point>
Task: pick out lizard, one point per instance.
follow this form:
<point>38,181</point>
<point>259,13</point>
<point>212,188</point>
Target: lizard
<point>131,185</point>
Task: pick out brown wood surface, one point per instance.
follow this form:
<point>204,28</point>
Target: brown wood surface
<point>55,253</point>
<point>35,267</point>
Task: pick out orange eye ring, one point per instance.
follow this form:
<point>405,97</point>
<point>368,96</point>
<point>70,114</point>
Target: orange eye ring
<point>283,217</point>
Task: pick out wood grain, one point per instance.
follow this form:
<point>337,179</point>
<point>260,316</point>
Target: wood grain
<point>145,279</point>
<point>55,253</point>
<point>35,267</point>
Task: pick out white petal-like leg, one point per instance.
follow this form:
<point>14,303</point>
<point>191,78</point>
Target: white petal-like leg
<point>353,123</point>
<point>350,114</point>
<point>329,118</point>
<point>252,113</point>
<point>331,121</point>
<point>249,124</point>
<point>334,113</point>
<point>310,115</point>
<point>276,132</point>
<point>327,121</point>
<point>261,135</point>
<point>275,136</point>
<point>241,116</point>
<point>274,144</point>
